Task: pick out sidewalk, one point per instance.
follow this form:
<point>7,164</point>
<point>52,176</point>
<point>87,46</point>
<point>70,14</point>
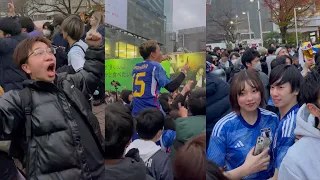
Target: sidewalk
<point>99,111</point>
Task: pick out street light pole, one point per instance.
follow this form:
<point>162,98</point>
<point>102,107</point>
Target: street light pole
<point>295,24</point>
<point>237,27</point>
<point>249,24</point>
<point>261,32</point>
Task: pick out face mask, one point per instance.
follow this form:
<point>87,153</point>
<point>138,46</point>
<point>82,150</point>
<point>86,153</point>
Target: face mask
<point>258,67</point>
<point>46,32</point>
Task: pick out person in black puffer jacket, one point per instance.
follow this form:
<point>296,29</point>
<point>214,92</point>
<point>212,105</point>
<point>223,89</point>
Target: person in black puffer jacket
<point>218,104</point>
<point>66,140</point>
<point>11,77</point>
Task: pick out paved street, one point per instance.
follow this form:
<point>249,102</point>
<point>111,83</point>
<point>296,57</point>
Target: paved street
<point>99,112</point>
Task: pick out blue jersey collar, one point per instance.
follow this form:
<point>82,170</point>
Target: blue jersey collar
<point>244,122</point>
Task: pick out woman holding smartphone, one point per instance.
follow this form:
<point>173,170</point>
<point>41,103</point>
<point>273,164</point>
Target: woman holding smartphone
<point>234,136</point>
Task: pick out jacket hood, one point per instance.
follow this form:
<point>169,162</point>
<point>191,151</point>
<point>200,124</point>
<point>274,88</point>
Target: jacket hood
<point>130,168</point>
<point>146,148</point>
<point>305,124</point>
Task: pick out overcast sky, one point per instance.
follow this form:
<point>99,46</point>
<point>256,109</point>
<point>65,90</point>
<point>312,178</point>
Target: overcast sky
<point>188,14</point>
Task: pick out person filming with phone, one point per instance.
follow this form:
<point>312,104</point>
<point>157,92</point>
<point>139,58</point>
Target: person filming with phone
<point>240,141</point>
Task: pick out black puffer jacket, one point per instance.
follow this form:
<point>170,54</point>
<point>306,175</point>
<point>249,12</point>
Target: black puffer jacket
<point>11,77</point>
<point>218,104</point>
<point>56,150</point>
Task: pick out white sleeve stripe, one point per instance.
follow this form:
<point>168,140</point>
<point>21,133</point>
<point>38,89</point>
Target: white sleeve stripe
<point>153,83</point>
<point>223,122</point>
<point>291,124</point>
<point>288,125</point>
<point>216,127</point>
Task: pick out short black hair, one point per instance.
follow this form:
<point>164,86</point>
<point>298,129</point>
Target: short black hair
<point>271,50</point>
<point>119,129</point>
<point>283,59</point>
<point>236,50</point>
<point>165,105</point>
<point>49,26</point>
<point>10,26</point>
<point>235,54</point>
<point>165,96</point>
<point>249,55</point>
<point>27,23</point>
<point>149,122</point>
<point>197,102</point>
<point>310,89</point>
<point>286,73</point>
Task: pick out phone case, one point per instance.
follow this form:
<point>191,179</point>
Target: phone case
<point>261,144</point>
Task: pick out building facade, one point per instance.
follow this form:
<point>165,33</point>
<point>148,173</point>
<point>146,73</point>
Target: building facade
<point>145,20</point>
<point>193,39</point>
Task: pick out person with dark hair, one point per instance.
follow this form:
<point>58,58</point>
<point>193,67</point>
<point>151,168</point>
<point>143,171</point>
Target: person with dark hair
<point>214,172</point>
<point>28,26</point>
<point>236,50</point>
<point>53,110</point>
<point>302,159</point>
<point>270,57</point>
<point>126,96</point>
<point>11,77</point>
<point>217,101</point>
<point>167,97</point>
<point>150,123</point>
<point>187,127</point>
<point>72,29</point>
<point>190,160</point>
<point>149,77</point>
<point>226,64</point>
<point>285,81</point>
<point>234,137</point>
<point>251,60</point>
<point>57,36</point>
<point>48,30</point>
<point>119,128</point>
<point>295,62</point>
<point>285,59</point>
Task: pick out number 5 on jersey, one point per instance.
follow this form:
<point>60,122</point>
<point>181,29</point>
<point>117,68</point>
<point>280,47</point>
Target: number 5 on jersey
<point>138,82</point>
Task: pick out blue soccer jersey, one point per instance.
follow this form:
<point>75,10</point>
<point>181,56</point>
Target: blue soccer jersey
<point>284,137</point>
<point>148,78</point>
<point>232,138</point>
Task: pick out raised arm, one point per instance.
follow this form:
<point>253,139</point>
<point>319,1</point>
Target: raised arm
<point>10,114</point>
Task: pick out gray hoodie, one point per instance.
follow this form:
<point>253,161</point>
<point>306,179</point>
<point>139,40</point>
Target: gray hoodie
<point>302,161</point>
<point>130,168</point>
<point>157,162</point>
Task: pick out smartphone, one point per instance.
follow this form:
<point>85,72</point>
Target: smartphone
<point>262,143</point>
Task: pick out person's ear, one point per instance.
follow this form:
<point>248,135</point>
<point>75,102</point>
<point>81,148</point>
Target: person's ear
<point>24,30</point>
<point>248,64</point>
<point>26,68</point>
<point>313,109</point>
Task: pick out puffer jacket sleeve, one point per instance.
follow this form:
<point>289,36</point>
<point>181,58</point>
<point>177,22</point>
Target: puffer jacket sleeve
<point>11,114</point>
<point>89,78</point>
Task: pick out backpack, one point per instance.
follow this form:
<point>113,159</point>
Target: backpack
<point>18,143</point>
<point>66,68</point>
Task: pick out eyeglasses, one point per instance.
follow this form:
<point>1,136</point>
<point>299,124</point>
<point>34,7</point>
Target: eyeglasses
<point>40,52</point>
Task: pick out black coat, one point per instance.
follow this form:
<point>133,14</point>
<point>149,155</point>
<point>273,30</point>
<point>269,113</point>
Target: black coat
<point>56,150</point>
<point>218,104</point>
<point>11,76</point>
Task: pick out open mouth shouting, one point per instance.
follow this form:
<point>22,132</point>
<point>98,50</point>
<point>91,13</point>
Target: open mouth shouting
<point>51,69</point>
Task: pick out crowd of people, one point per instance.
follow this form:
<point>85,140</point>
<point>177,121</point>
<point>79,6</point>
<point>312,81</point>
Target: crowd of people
<point>157,133</point>
<point>262,113</point>
<point>48,78</point>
